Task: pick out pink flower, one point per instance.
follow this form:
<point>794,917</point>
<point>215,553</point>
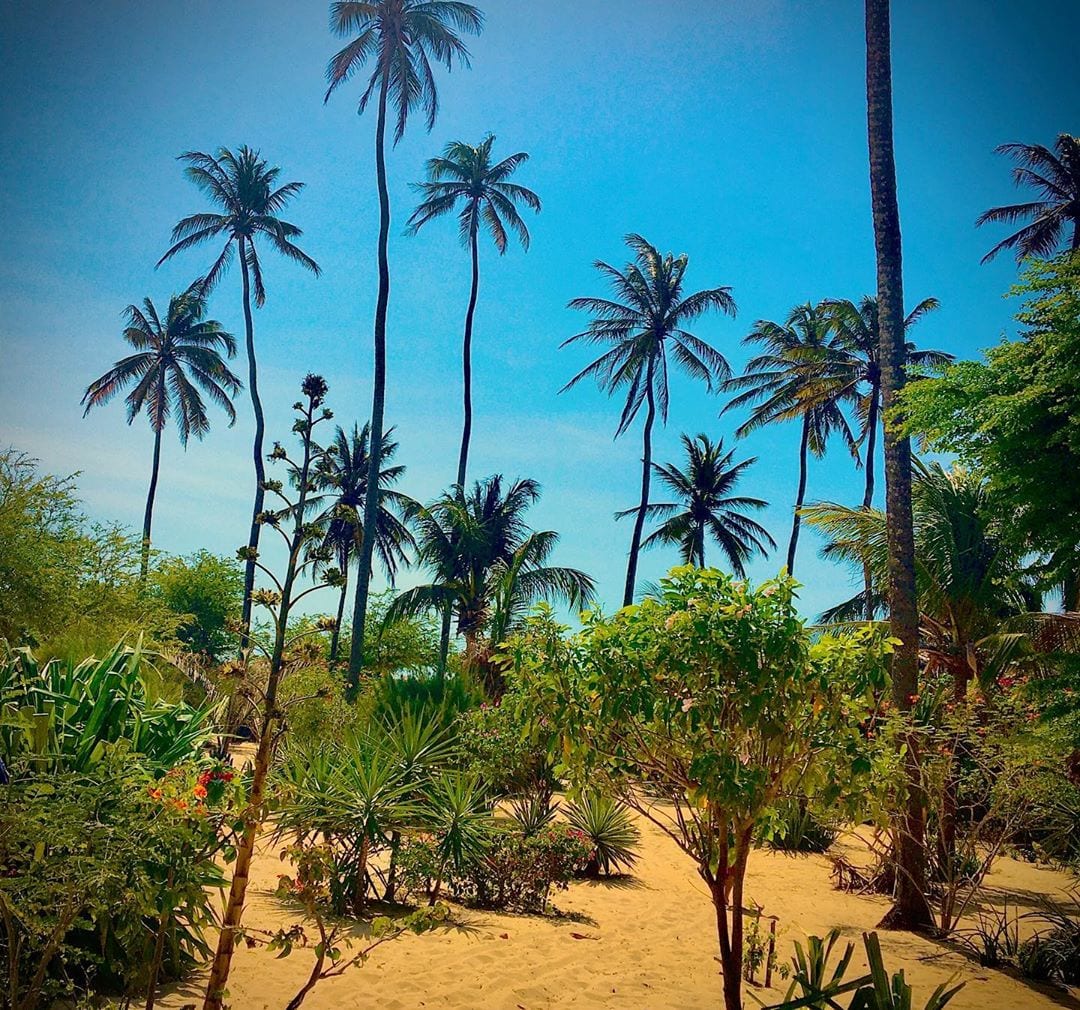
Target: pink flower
<point>688,703</point>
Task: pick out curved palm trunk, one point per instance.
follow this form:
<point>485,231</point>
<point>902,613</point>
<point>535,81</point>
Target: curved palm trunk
<point>466,366</point>
<point>378,403</point>
<point>910,909</point>
<point>257,448</point>
<point>646,473</point>
<point>151,494</point>
<point>335,637</point>
<point>800,496</point>
<point>868,494</point>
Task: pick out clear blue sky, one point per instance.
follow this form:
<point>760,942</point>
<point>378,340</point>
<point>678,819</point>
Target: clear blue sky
<point>734,132</point>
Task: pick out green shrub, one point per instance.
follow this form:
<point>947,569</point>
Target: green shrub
<point>498,748</point>
<point>611,831</point>
<point>445,698</point>
<point>96,866</point>
<point>798,828</point>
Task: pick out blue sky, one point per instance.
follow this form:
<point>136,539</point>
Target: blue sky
<point>734,132</point>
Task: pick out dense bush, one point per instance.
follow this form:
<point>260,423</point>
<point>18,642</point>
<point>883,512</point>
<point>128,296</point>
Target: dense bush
<point>498,748</point>
<point>797,827</point>
<point>441,698</point>
<point>105,876</point>
<point>514,871</point>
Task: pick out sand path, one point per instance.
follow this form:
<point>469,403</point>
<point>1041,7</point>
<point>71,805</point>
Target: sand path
<point>648,943</point>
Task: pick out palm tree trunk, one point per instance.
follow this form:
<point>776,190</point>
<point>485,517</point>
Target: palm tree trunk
<point>148,515</point>
<point>257,449</point>
<point>466,366</point>
<point>444,639</point>
<point>378,403</point>
<point>868,494</point>
<point>910,909</point>
<point>646,473</point>
<point>335,637</point>
<point>799,496</point>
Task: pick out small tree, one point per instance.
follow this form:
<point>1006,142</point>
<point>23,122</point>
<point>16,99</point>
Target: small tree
<point>703,708</point>
<point>301,541</point>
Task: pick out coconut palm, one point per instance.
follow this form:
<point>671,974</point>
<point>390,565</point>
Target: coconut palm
<point>793,380</point>
<point>173,360</point>
<point>910,908</point>
<point>401,38</point>
<point>1055,176</point>
<point>706,506</point>
<point>465,179</point>
<point>343,481</point>
<point>855,369</point>
<point>487,565</point>
<point>246,191</point>
<point>646,319</point>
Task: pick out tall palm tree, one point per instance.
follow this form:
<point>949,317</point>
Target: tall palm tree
<point>464,177</point>
<point>855,365</point>
<point>910,908</point>
<point>645,319</point>
<point>173,359</point>
<point>1056,178</point>
<point>343,483</point>
<point>706,506</point>
<point>793,380</point>
<point>246,192</point>
<point>487,565</point>
<point>402,38</point>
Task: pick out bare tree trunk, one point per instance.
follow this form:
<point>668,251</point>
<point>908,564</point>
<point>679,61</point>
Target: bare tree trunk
<point>646,473</point>
<point>910,908</point>
<point>466,366</point>
<point>378,403</point>
<point>800,495</point>
<point>257,449</point>
<point>868,494</point>
<point>335,637</point>
<point>151,494</point>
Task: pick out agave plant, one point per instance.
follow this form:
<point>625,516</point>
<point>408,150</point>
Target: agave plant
<point>608,824</point>
<point>61,715</point>
<point>459,816</point>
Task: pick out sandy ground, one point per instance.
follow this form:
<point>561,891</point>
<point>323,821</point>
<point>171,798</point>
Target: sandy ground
<point>646,942</point>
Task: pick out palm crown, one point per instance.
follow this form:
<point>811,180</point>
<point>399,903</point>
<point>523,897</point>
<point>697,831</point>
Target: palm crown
<point>648,314</point>
<point>403,37</point>
<point>174,358</point>
<point>706,506</point>
<point>246,189</point>
<point>465,176</point>
<point>1055,176</point>
<point>343,483</point>
<point>488,565</point>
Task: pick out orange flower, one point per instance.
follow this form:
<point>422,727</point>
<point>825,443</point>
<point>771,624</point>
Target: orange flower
<point>155,794</point>
<point>200,791</point>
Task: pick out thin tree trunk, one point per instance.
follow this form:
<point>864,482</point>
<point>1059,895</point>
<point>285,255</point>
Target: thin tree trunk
<point>910,908</point>
<point>256,450</point>
<point>378,403</point>
<point>868,494</point>
<point>148,515</point>
<point>159,947</point>
<point>335,637</point>
<point>646,473</point>
<point>466,367</point>
<point>444,639</point>
<point>800,495</point>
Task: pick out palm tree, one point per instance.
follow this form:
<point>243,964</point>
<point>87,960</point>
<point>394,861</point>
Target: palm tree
<point>246,191</point>
<point>793,380</point>
<point>402,37</point>
<point>910,908</point>
<point>487,565</point>
<point>465,176</point>
<point>647,316</point>
<point>171,359</point>
<point>343,481</point>
<point>706,507</point>
<point>855,365</point>
<point>1056,178</point>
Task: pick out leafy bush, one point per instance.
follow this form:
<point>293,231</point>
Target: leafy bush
<point>444,698</point>
<point>1053,952</point>
<point>498,748</point>
<point>798,828</point>
<point>514,871</point>
<point>105,876</point>
<point>611,831</point>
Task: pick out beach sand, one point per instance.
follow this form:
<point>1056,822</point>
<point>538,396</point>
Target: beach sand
<point>644,942</point>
